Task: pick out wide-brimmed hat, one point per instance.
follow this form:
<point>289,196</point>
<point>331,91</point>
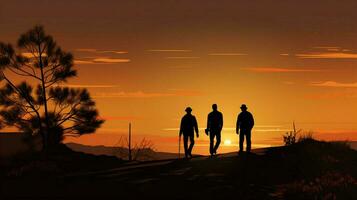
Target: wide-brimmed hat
<point>243,106</point>
<point>188,109</point>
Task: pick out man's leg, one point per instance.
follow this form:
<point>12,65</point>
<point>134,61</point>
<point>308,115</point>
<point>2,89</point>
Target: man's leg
<point>211,141</point>
<point>241,141</point>
<point>249,142</point>
<point>192,142</point>
<point>218,141</point>
<point>185,141</point>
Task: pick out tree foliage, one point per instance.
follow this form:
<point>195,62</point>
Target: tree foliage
<point>39,105</point>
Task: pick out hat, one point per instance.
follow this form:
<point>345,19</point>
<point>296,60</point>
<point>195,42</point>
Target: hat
<point>188,109</point>
<point>243,106</point>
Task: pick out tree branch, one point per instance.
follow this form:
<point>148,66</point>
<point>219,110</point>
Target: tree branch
<point>24,96</point>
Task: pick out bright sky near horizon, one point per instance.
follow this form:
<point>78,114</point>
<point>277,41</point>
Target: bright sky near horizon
<point>145,61</point>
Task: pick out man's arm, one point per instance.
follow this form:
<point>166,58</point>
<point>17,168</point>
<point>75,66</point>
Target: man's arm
<point>237,125</point>
<point>196,126</point>
<point>252,120</point>
<point>221,122</point>
<point>208,122</point>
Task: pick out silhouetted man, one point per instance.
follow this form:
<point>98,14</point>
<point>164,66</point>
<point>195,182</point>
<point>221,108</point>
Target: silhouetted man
<point>245,123</point>
<point>187,129</point>
<point>214,128</point>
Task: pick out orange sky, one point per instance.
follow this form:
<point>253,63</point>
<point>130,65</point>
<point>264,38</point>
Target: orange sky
<point>145,61</point>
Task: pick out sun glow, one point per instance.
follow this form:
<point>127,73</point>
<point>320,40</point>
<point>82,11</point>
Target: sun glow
<point>227,142</point>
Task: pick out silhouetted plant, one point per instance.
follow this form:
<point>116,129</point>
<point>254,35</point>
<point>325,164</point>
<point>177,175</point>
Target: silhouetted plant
<point>306,136</point>
<point>45,107</point>
<point>144,150</point>
<point>290,137</point>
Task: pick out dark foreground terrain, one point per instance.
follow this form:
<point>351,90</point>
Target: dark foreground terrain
<point>306,170</point>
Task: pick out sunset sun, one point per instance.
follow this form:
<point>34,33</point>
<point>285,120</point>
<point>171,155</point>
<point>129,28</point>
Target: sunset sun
<point>227,142</point>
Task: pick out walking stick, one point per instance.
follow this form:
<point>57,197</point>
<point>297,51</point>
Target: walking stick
<point>179,156</point>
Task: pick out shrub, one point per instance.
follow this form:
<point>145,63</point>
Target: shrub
<point>306,136</point>
<point>290,137</point>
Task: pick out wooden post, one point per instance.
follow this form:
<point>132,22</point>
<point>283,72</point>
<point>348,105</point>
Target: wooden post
<point>129,148</point>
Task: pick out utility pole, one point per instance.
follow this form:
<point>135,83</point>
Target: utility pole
<point>129,143</point>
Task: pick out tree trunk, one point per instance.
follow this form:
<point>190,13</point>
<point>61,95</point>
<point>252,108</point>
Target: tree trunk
<point>46,141</point>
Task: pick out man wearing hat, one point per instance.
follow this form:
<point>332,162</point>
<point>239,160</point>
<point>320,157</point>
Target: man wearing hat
<point>187,129</point>
<point>245,123</point>
<point>214,128</point>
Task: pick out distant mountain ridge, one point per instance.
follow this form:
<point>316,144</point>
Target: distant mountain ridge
<point>147,154</point>
<point>121,152</point>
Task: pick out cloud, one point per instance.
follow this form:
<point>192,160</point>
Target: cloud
<point>334,84</point>
<point>101,51</point>
<point>89,86</point>
<point>328,52</point>
<point>102,60</point>
<point>284,54</point>
<point>83,62</point>
<point>278,70</point>
<point>182,57</point>
<point>32,55</point>
<point>328,55</point>
<point>227,54</point>
<point>140,94</point>
<point>169,50</point>
<point>111,60</point>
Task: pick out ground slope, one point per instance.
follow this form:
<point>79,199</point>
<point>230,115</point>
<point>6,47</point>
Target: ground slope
<point>307,170</point>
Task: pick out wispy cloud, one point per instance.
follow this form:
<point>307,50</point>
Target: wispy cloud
<point>111,60</point>
<point>328,55</point>
<point>101,51</point>
<point>227,54</point>
<point>89,86</point>
<point>32,55</point>
<point>169,50</point>
<point>284,54</point>
<point>334,84</point>
<point>141,94</point>
<point>183,57</point>
<point>278,70</point>
<point>328,52</point>
<point>101,60</point>
<point>79,62</point>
